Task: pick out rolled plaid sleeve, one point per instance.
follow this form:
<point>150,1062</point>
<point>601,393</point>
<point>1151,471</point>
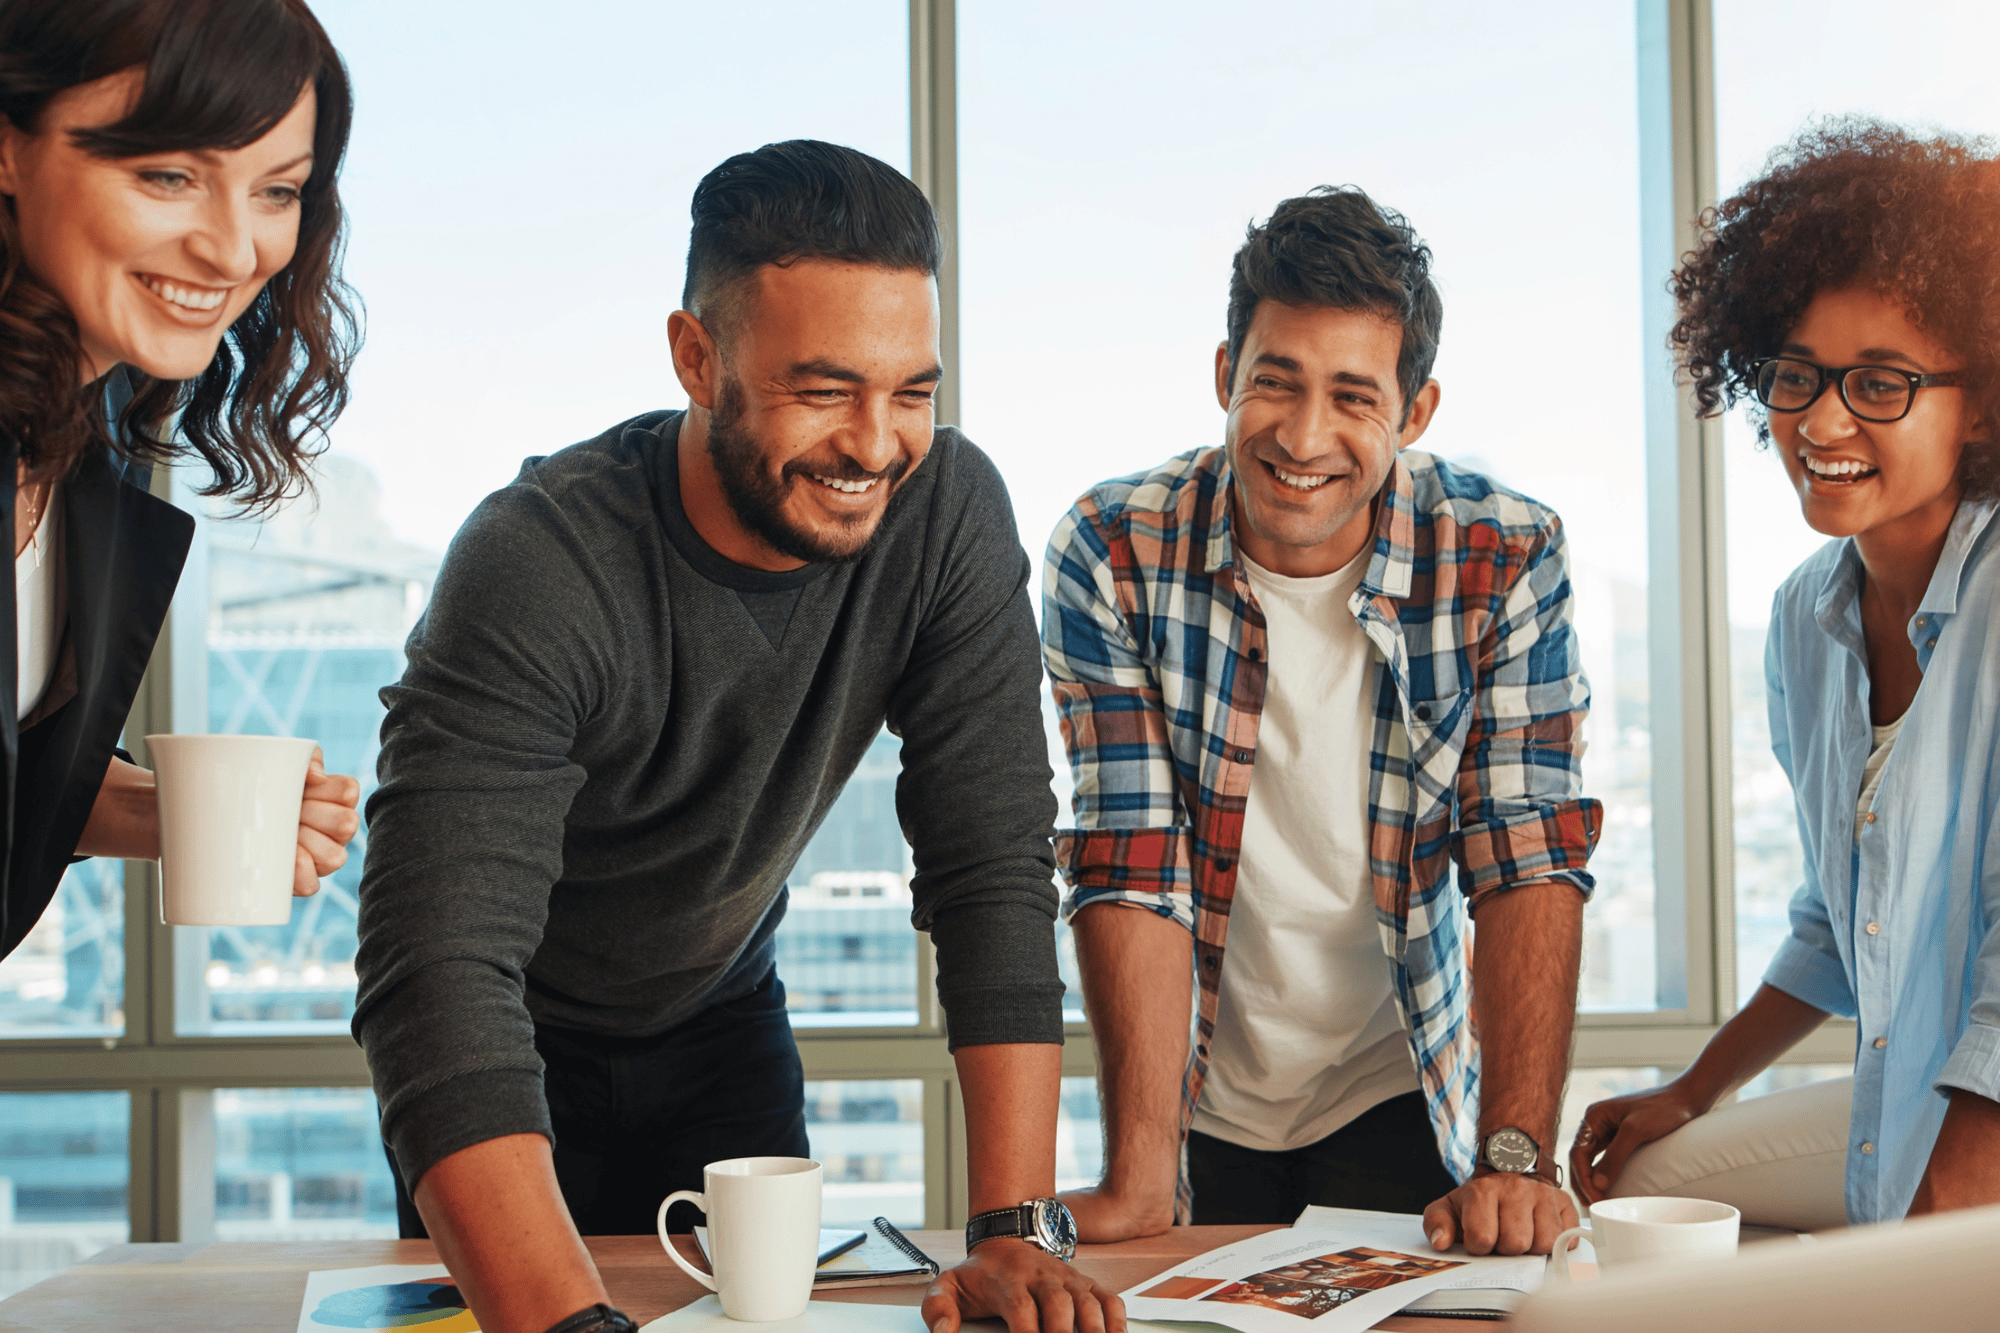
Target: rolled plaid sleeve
<point>1131,842</point>
<point>1522,815</point>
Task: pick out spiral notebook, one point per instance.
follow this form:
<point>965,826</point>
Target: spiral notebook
<point>884,1258</point>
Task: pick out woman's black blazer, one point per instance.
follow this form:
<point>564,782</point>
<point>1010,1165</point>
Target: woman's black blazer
<point>123,551</point>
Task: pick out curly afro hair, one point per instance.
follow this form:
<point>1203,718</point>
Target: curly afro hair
<point>1850,202</point>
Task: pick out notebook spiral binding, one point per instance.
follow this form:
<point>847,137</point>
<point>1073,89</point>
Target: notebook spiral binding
<point>904,1243</point>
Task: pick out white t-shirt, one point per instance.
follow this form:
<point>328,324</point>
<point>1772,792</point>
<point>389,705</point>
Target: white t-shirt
<point>1308,1034</point>
<point>1871,772</point>
<point>38,608</point>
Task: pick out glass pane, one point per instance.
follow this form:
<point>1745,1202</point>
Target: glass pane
<point>1079,1135</point>
<point>846,950</point>
<point>300,1164</point>
<point>65,1161</point>
<point>1594,1085</point>
<point>1099,217</point>
<point>869,1139</point>
<point>67,978</point>
<point>1761,103</point>
<point>585,212</point>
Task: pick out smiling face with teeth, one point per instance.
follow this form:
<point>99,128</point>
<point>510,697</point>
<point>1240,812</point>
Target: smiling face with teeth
<point>1315,422</point>
<point>155,256</point>
<point>810,405</point>
<point>1890,484</point>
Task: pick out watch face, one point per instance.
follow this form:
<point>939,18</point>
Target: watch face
<point>1055,1228</point>
<point>1511,1150</point>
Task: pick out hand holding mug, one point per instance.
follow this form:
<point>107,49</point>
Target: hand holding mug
<point>328,821</point>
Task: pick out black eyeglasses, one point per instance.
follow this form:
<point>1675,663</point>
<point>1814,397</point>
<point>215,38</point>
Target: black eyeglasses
<point>1872,393</point>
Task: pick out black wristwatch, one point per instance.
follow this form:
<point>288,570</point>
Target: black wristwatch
<point>1516,1153</point>
<point>597,1319</point>
<point>1043,1223</point>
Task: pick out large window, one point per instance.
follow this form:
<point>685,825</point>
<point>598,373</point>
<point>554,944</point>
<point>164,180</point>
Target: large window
<point>1763,98</point>
<point>1099,216</point>
<point>519,193</point>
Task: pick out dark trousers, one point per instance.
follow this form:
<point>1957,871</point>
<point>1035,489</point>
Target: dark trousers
<point>637,1118</point>
<point>1386,1160</point>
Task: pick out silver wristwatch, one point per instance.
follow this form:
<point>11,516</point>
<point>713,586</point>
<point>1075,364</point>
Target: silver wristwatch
<point>1043,1223</point>
<point>1514,1152</point>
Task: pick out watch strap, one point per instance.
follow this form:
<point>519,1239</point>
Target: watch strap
<point>1018,1221</point>
<point>598,1318</point>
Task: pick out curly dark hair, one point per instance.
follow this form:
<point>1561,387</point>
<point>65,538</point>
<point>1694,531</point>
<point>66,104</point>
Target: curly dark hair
<point>1852,201</point>
<point>219,74</point>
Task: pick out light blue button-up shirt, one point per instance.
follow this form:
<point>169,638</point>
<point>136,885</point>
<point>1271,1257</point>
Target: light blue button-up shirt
<point>1891,929</point>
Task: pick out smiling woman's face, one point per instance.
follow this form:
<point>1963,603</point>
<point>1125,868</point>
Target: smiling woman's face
<point>157,255</point>
<point>1856,477</point>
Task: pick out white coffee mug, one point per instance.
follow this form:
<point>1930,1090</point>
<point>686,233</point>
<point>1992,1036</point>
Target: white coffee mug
<point>1637,1230</point>
<point>763,1234</point>
<point>229,827</point>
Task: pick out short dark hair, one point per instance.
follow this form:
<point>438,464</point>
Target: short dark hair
<point>218,74</point>
<point>802,199</point>
<point>1334,246</point>
<point>1849,202</point>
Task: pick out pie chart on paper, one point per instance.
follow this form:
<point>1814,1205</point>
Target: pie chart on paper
<point>425,1306</point>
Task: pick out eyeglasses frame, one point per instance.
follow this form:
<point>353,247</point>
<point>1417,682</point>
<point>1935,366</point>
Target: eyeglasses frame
<point>1837,375</point>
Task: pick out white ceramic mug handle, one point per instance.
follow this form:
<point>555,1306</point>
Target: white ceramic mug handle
<point>673,1253</point>
<point>1559,1255</point>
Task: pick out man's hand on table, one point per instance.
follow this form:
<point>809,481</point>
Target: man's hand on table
<point>1499,1213</point>
<point>1034,1291</point>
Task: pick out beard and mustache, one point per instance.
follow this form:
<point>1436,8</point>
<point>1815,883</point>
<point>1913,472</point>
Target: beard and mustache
<point>759,498</point>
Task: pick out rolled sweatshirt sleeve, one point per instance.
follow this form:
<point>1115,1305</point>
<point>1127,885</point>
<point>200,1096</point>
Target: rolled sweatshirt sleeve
<point>465,832</point>
<point>974,795</point>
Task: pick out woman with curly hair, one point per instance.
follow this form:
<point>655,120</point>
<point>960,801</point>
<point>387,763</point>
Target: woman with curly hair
<point>169,285</point>
<point>1852,294</point>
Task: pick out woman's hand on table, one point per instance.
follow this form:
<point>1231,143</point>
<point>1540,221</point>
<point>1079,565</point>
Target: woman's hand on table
<point>328,821</point>
<point>1615,1128</point>
<point>1032,1290</point>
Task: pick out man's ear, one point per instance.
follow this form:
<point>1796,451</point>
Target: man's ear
<point>1222,374</point>
<point>697,363</point>
<point>1422,408</point>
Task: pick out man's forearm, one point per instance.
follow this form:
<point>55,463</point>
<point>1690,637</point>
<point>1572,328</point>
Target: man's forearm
<point>1138,990</point>
<point>1527,945</point>
<point>498,1220</point>
<point>1011,1095</point>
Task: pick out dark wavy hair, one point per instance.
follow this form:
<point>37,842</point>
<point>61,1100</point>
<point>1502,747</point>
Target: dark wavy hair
<point>1851,201</point>
<point>219,74</point>
<point>1334,246</point>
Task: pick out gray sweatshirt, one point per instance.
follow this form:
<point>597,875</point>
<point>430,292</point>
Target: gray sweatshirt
<point>611,745</point>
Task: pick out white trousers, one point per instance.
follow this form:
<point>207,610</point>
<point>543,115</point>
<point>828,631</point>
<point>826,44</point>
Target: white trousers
<point>1781,1160</point>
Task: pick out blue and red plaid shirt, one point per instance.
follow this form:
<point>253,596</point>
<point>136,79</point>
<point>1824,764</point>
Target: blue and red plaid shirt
<point>1156,654</point>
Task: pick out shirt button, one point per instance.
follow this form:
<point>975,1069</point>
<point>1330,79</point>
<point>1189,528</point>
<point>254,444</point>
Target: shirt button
<point>1868,1150</point>
<point>1880,1042</point>
<point>1211,962</point>
<point>1255,654</point>
<point>1930,643</point>
<point>1870,818</point>
<point>1921,622</point>
<point>1424,712</point>
<point>1874,928</point>
<point>1242,756</point>
<point>1224,864</point>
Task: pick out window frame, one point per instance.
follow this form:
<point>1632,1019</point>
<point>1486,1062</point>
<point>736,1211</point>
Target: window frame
<point>171,1077</point>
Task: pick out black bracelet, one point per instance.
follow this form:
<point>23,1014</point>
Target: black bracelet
<point>597,1319</point>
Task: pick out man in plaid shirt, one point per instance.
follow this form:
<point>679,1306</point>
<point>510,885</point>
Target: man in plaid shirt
<point>1300,675</point>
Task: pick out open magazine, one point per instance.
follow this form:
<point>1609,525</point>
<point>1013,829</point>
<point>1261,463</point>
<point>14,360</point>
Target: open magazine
<point>1338,1269</point>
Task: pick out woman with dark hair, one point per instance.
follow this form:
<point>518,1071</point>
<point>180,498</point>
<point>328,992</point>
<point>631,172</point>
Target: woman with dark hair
<point>169,286</point>
<point>1852,293</point>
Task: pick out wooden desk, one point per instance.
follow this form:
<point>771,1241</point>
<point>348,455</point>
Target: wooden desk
<point>259,1285</point>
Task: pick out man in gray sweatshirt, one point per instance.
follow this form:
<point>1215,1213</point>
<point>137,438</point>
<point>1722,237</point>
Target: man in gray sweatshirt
<point>648,668</point>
